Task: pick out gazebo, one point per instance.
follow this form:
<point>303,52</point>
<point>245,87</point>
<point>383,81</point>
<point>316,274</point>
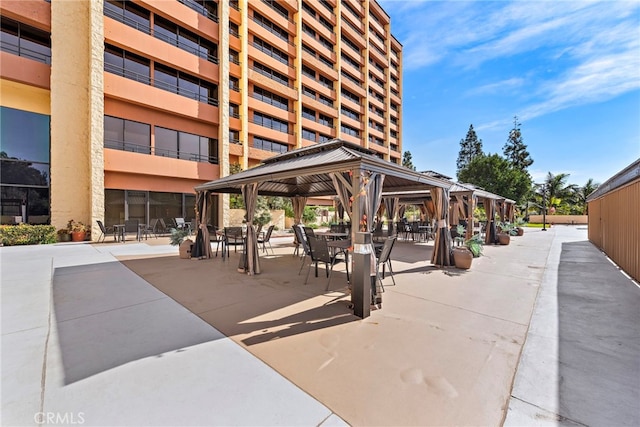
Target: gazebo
<point>352,172</point>
<point>463,200</point>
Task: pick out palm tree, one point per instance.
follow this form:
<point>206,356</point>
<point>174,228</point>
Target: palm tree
<point>581,194</point>
<point>556,191</point>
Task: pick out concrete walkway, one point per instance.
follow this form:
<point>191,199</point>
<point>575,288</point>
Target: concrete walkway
<point>85,340</point>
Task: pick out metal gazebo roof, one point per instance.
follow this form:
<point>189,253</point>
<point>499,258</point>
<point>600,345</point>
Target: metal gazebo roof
<point>305,172</point>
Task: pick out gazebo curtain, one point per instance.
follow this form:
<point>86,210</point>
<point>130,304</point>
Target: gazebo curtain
<point>298,203</point>
<point>372,186</point>
<point>442,245</point>
<point>252,261</point>
<point>342,182</point>
<point>431,210</point>
<point>392,205</point>
<point>202,247</point>
<point>490,209</point>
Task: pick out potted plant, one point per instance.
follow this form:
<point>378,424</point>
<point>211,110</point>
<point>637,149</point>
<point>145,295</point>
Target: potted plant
<point>179,238</point>
<point>506,231</point>
<point>462,254</point>
<point>474,244</point>
<point>519,225</point>
<point>63,235</point>
<point>77,230</point>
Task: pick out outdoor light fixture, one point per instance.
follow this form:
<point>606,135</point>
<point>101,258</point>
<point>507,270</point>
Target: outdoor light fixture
<point>544,206</point>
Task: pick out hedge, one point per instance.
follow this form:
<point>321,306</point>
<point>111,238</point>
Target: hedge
<point>24,234</point>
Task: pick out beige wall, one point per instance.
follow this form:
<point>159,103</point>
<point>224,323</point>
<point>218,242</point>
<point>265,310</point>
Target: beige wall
<point>77,163</point>
<point>614,226</point>
<point>559,219</point>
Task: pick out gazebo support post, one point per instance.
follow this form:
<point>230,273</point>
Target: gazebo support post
<point>361,275</point>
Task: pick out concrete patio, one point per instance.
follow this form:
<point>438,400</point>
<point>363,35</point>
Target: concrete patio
<point>129,334</point>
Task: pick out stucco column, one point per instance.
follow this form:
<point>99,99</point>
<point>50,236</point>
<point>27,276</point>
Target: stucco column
<point>223,90</point>
<point>77,113</point>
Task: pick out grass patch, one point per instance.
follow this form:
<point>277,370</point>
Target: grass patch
<point>537,225</point>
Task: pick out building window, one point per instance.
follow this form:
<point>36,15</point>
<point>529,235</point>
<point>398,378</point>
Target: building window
<point>308,135</point>
<point>126,64</point>
<point>186,40</point>
<point>350,131</point>
<point>22,40</point>
<point>186,85</point>
<point>308,71</point>
<point>271,27</point>
<point>270,98</point>
<point>234,136</point>
<point>269,145</point>
<point>273,75</point>
<point>24,167</point>
<point>325,100</point>
<point>325,120</point>
<point>308,113</point>
<point>270,122</point>
<point>127,135</point>
<point>206,8</point>
<point>129,14</point>
<point>278,8</point>
<point>273,52</point>
<point>325,81</point>
<point>234,30</point>
<point>234,56</point>
<point>350,96</point>
<point>350,113</point>
<point>234,84</point>
<point>185,146</point>
<point>234,110</point>
<point>323,138</point>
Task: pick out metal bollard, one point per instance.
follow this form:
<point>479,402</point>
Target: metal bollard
<point>361,288</point>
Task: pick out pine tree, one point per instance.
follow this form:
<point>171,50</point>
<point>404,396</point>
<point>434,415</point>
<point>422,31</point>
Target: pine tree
<point>406,160</point>
<point>515,149</point>
<point>470,148</point>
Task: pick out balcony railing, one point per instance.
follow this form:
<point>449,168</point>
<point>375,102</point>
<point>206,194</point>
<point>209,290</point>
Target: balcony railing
<point>200,9</point>
<point>141,78</point>
<point>144,149</point>
<point>24,52</point>
<point>270,53</point>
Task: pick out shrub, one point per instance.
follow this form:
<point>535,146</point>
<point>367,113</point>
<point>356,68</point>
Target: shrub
<point>177,236</point>
<point>25,234</point>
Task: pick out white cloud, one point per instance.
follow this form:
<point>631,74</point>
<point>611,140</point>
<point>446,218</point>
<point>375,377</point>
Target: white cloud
<point>497,87</point>
<point>591,50</point>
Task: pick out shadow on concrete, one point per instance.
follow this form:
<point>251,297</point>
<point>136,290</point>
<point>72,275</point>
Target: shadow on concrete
<point>599,339</point>
<point>107,316</point>
<point>256,309</point>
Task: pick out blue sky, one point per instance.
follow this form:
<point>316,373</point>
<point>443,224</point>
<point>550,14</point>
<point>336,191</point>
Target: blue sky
<point>570,71</point>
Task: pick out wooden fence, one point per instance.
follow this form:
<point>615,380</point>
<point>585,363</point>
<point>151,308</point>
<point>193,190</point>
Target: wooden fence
<point>614,219</point>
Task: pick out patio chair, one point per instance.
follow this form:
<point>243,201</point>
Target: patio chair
<point>181,224</point>
<point>302,242</point>
<point>265,239</point>
<point>150,228</point>
<point>308,232</point>
<point>233,237</point>
<point>132,226</point>
<point>215,237</point>
<point>385,259</point>
<point>162,226</point>
<point>104,230</point>
<point>320,253</point>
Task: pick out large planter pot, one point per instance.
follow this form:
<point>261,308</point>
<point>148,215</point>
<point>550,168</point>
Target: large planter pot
<point>64,237</point>
<point>462,258</point>
<point>520,231</point>
<point>185,248</point>
<point>78,236</point>
<point>504,238</point>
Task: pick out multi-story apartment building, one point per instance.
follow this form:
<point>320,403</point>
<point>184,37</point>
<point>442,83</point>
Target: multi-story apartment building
<point>116,109</point>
